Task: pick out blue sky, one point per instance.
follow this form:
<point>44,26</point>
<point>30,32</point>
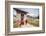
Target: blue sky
<point>31,11</point>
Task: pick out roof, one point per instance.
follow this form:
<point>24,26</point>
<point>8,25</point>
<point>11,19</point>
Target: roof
<point>20,11</point>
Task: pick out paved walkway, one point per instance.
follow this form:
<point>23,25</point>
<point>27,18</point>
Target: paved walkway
<point>26,26</point>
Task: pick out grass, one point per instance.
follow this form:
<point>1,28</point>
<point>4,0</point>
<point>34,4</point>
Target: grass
<point>31,21</point>
<point>34,22</point>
